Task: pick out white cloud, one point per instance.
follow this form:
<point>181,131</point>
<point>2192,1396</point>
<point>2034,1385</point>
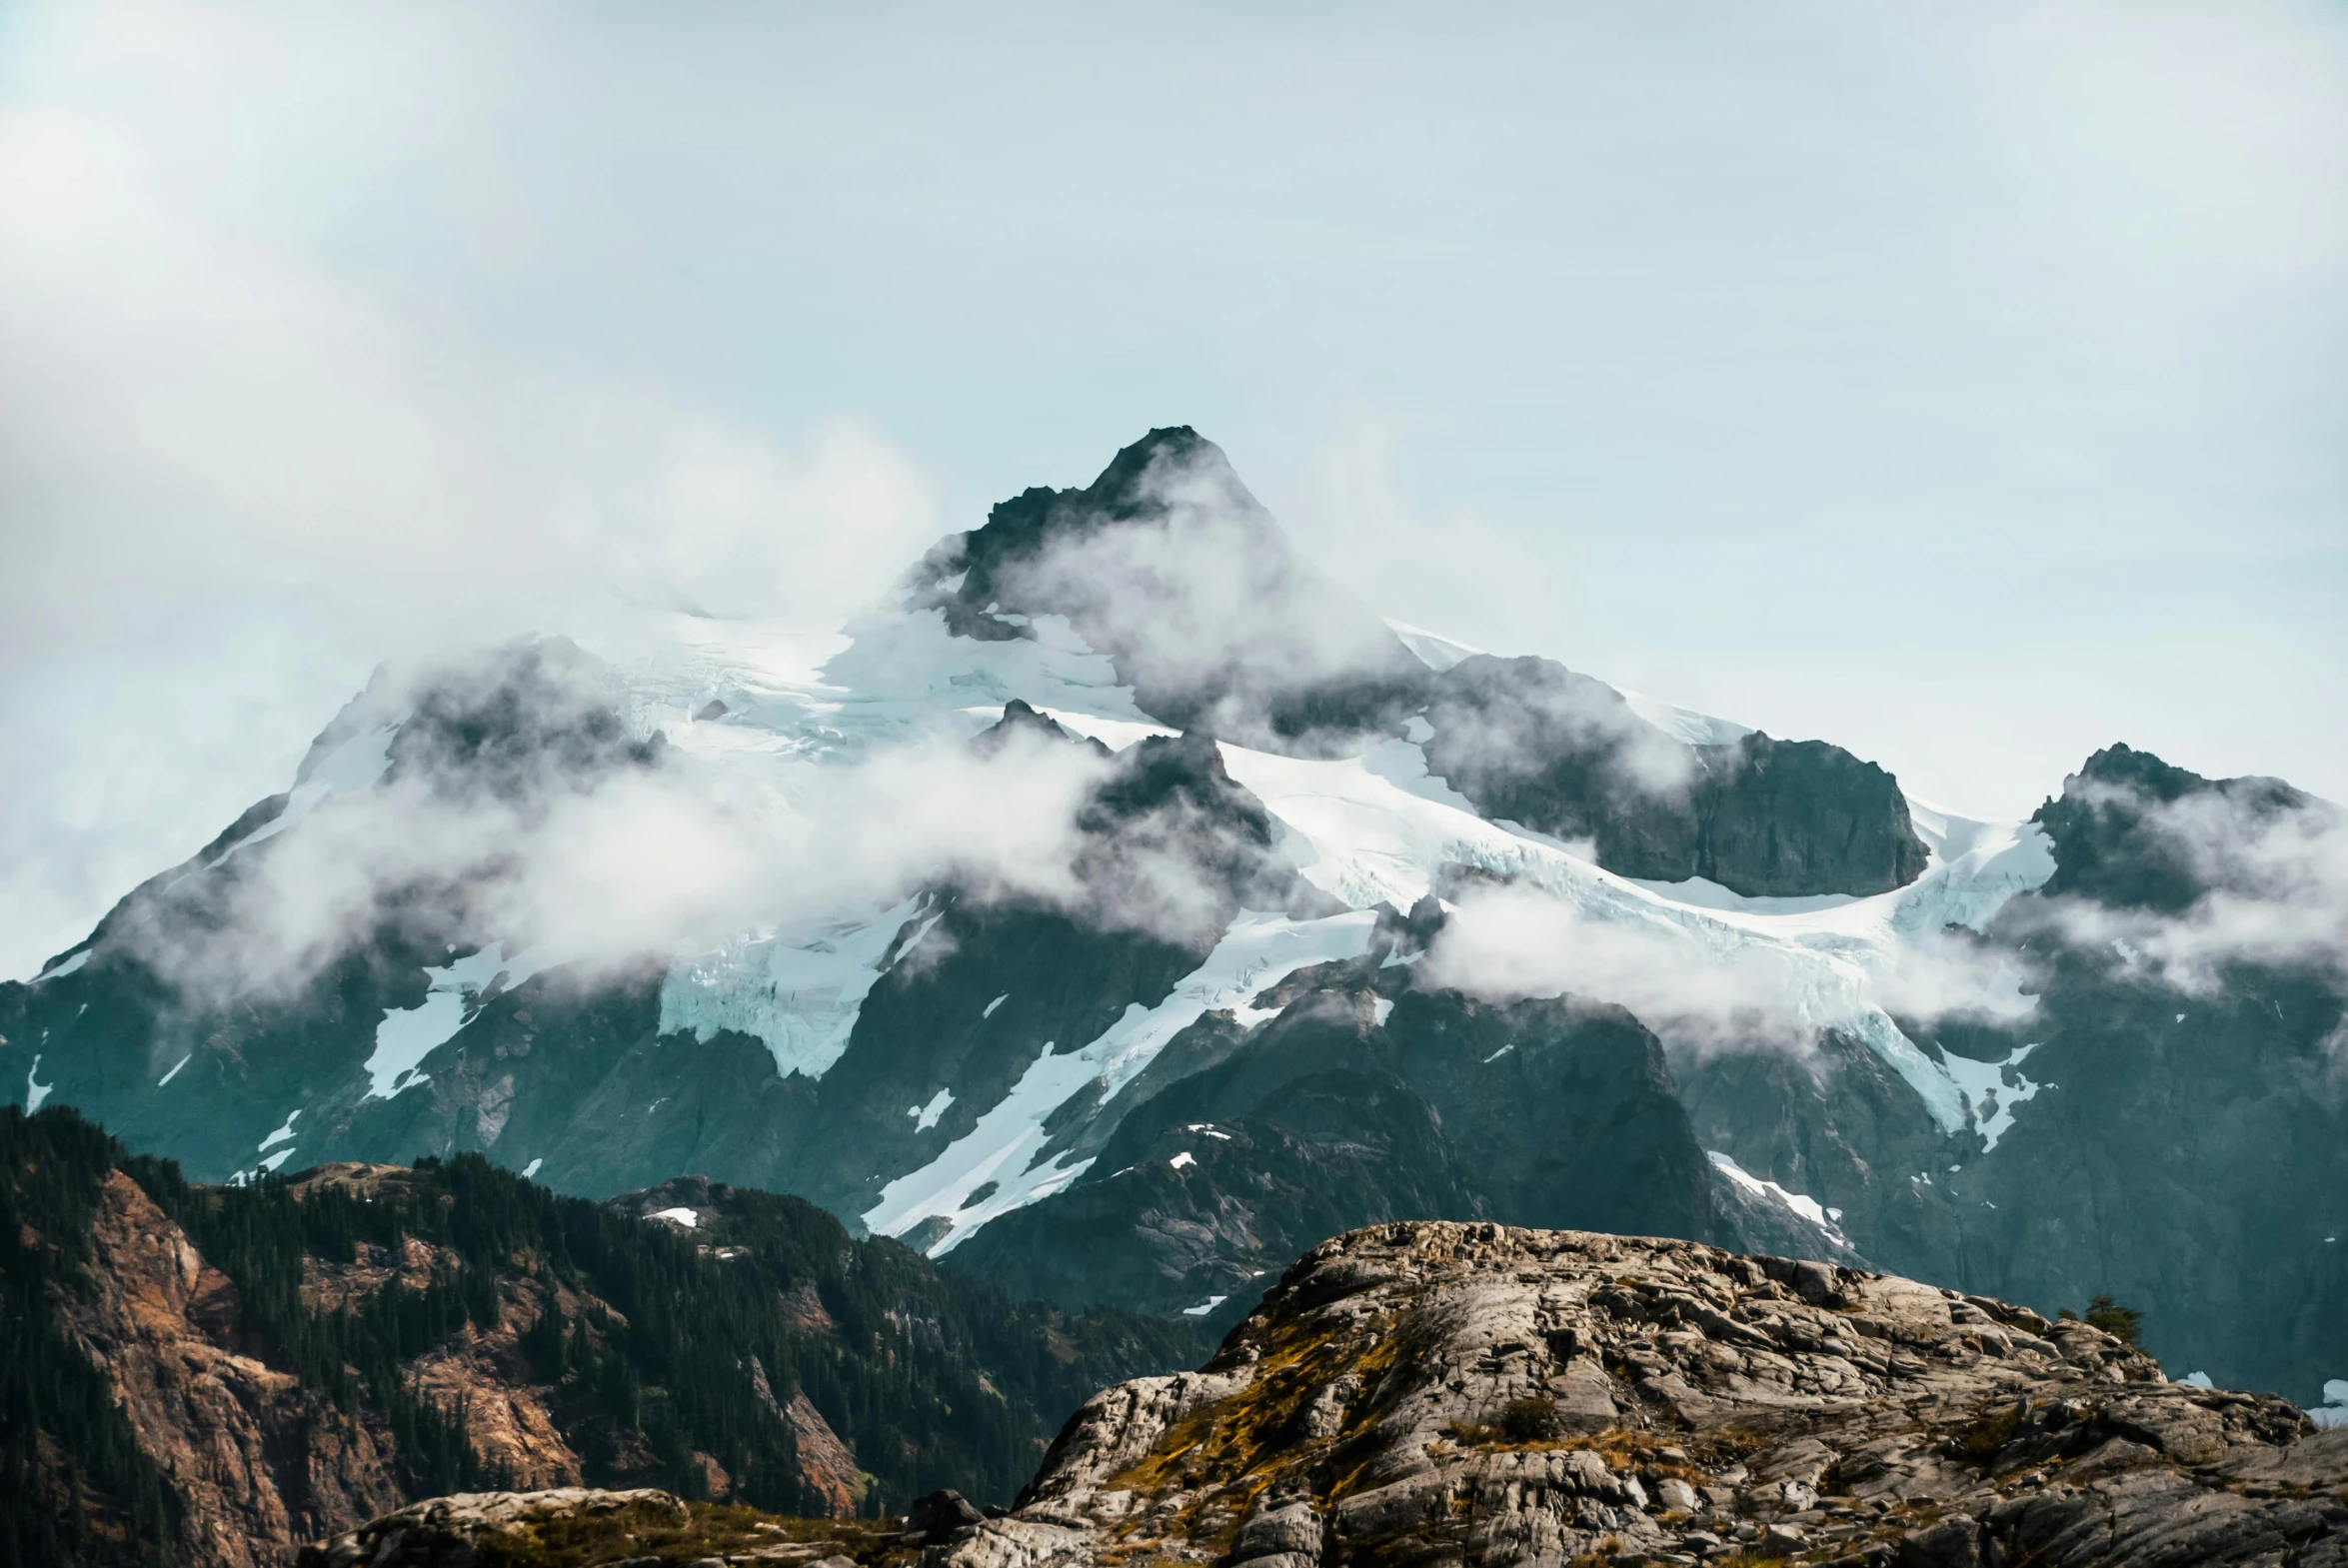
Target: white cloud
<point>517,807</point>
<point>1203,596</point>
<point>2271,887</point>
<point>1706,991</point>
<point>234,475</point>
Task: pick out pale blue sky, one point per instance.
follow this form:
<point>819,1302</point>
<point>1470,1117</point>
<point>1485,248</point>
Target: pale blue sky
<point>1966,385</point>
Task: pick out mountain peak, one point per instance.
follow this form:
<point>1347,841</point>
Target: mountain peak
<point>1169,564</point>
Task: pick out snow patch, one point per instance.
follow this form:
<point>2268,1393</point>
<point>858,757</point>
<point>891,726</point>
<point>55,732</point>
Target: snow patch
<point>65,968</point>
<point>1116,734</point>
<point>1432,649</point>
<point>2332,1414</point>
<point>530,1169</point>
<point>684,1217</point>
<point>1008,1144</point>
<point>989,1010</point>
<point>1989,1097</point>
<point>2195,1381</point>
<point>1204,1307</point>
<point>1807,1206</point>
<point>282,1134</point>
<point>34,1091</point>
<point>1381,1010</point>
<point>1182,1160</point>
<point>926,1116</point>
<point>1685,724</point>
<point>409,1035</point>
<point>174,1072</point>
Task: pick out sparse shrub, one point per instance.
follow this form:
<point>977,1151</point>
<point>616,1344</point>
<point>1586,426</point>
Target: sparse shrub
<point>1532,1421</point>
<point>1990,1432</point>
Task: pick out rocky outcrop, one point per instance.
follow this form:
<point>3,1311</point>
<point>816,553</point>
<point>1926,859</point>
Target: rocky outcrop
<point>444,1531</point>
<point>2114,841</point>
<point>1474,1393</point>
<point>572,1527</point>
<point>1169,566</point>
<point>257,1462</point>
<point>1530,741</point>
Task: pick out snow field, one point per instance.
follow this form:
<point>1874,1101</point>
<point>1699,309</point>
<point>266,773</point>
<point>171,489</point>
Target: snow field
<point>1257,952</point>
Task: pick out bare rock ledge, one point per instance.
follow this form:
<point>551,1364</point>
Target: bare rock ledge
<point>1434,1394</point>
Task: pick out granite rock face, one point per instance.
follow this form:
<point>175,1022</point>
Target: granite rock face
<point>1470,1393</point>
<point>1530,741</point>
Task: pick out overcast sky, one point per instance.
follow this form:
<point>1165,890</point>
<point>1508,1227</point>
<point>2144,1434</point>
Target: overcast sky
<point>1964,385</point>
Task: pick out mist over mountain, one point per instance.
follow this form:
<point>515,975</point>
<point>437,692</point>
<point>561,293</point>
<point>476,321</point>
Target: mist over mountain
<point>1121,906</point>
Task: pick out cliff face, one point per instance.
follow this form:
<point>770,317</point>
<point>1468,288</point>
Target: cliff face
<point>1472,1393</point>
<point>258,1462</point>
<point>1531,741</point>
<point>216,1375</point>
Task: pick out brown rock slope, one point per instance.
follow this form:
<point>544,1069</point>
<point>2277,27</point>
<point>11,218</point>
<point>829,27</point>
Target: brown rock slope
<point>257,1460</point>
<point>1443,1393</point>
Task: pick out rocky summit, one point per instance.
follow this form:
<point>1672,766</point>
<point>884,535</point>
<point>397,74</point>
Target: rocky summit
<point>1442,1393</point>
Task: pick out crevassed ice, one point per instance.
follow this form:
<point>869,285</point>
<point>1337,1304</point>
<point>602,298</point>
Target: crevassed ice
<point>1257,951</point>
<point>801,998</point>
<point>409,1035</point>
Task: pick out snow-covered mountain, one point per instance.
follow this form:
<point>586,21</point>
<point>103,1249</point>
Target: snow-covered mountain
<point>1123,907</point>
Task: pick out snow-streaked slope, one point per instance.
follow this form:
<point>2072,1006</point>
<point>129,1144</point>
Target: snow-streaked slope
<point>1258,951</point>
<point>1367,830</point>
<point>1377,827</point>
<point>353,765</point>
<point>757,704</point>
<point>1827,1221</point>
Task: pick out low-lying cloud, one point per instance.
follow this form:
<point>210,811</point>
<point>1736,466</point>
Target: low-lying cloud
<point>1204,599</point>
<point>2272,883</point>
<point>516,809</point>
<point>1711,987</point>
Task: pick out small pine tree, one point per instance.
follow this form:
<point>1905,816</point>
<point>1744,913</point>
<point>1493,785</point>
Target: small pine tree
<point>2124,1324</point>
